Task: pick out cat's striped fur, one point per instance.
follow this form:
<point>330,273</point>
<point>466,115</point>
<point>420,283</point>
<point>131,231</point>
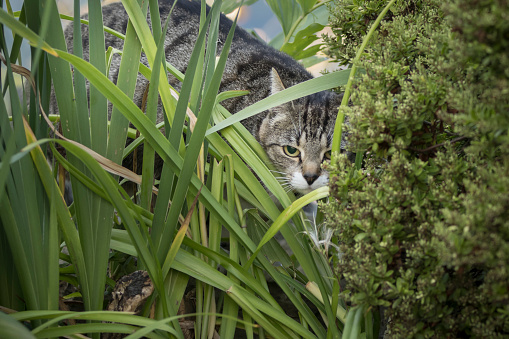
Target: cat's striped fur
<point>297,136</point>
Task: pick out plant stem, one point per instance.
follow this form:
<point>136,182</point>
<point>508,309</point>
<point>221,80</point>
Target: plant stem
<point>299,20</point>
<point>336,141</point>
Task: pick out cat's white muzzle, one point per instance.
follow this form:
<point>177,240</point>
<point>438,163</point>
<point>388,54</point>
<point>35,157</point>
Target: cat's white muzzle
<point>300,184</point>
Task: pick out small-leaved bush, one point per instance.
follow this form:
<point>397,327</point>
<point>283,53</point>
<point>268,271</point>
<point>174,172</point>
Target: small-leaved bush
<point>423,227</point>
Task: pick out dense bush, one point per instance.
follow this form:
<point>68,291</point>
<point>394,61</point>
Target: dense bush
<point>424,225</point>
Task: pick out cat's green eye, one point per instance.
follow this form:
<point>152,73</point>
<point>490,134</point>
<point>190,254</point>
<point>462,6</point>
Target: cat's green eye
<point>327,155</point>
<point>291,151</point>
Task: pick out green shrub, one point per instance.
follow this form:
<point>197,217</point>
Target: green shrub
<point>424,227</point>
<point>107,233</point>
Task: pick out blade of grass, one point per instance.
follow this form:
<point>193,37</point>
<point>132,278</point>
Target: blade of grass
<point>231,309</point>
<point>26,226</point>
<point>353,323</point>
<point>121,205</point>
<point>155,18</point>
<point>65,221</point>
<point>195,145</point>
<point>368,325</point>
<point>275,330</point>
<point>149,46</point>
<point>25,32</point>
<point>10,328</point>
<point>126,82</point>
<point>80,89</point>
<point>287,214</point>
<point>336,141</point>
<point>157,140</point>
<point>161,237</point>
<point>98,103</point>
<point>312,86</point>
<point>152,107</point>
<point>52,250</point>
<point>94,329</point>
<point>168,154</point>
<point>313,288</point>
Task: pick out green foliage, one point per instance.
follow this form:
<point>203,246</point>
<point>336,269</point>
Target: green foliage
<point>107,232</point>
<point>351,20</point>
<point>424,227</point>
<point>301,21</point>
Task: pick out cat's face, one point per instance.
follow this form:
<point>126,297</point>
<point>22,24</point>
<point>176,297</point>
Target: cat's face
<point>297,137</point>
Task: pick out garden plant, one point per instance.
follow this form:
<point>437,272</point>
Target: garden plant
<point>413,240</point>
<point>422,223</point>
<point>110,231</point>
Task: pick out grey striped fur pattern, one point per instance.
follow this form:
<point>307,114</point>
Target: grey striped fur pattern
<point>297,136</point>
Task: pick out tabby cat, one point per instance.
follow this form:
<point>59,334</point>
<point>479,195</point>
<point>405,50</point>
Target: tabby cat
<point>297,136</point>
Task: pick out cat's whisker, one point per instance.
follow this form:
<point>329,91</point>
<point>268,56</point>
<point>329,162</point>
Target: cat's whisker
<point>284,181</point>
<point>289,189</point>
<point>274,171</point>
<point>281,176</point>
<point>286,185</point>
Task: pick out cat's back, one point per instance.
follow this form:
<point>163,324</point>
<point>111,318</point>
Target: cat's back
<point>183,26</point>
<point>249,64</point>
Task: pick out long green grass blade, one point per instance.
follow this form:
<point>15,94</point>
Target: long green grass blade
<point>152,106</point>
<point>161,237</point>
<point>58,316</point>
<point>139,22</point>
<point>126,82</point>
<point>25,32</point>
<point>94,329</point>
<point>96,234</point>
<point>240,298</point>
<point>287,214</point>
<point>111,187</point>
<point>336,141</point>
<point>353,323</point>
<point>11,328</point>
<point>80,89</point>
<point>195,142</point>
<point>157,140</point>
<point>312,86</point>
<point>98,103</point>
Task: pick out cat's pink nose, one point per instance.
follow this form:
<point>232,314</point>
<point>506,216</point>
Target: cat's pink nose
<point>310,178</point>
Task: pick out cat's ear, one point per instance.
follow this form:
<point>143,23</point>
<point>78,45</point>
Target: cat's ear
<point>279,112</point>
<point>276,83</point>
